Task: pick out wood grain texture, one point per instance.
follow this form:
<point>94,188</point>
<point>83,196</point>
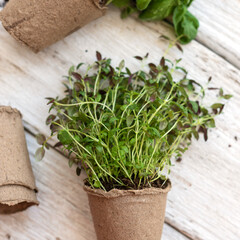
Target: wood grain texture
<point>204,201</point>
<point>63,213</point>
<point>219,27</point>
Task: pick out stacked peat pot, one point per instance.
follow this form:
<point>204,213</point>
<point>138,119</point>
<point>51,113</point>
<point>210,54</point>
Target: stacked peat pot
<point>123,128</point>
<point>38,24</point>
<point>17,185</point>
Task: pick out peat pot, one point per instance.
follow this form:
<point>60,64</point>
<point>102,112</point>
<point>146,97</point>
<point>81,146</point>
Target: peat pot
<point>17,184</point>
<point>128,214</point>
<point>38,24</point>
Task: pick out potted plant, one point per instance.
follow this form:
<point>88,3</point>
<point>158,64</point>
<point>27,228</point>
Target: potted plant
<point>123,128</point>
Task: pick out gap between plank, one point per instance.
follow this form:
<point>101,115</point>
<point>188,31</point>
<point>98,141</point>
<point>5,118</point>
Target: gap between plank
<point>220,55</point>
<point>180,231</point>
<point>196,40</point>
<point>184,233</point>
<point>206,46</point>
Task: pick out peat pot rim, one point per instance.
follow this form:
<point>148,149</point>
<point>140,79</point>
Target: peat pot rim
<point>115,193</point>
<point>16,207</point>
<point>9,109</point>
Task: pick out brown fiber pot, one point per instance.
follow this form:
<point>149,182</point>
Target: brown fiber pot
<point>128,214</point>
<point>17,184</point>
<point>40,23</point>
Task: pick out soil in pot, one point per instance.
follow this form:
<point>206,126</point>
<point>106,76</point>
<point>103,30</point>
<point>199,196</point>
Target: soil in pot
<point>128,214</point>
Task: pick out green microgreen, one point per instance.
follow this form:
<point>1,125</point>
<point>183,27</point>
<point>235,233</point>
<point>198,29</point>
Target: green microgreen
<point>124,127</point>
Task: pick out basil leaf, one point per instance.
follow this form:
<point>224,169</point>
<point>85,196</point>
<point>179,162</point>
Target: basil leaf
<point>189,3</point>
<point>158,10</point>
<point>185,24</point>
<point>121,3</point>
<point>186,2</point>
<point>142,4</point>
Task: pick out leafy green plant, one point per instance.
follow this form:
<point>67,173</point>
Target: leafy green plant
<point>123,127</point>
<point>185,24</point>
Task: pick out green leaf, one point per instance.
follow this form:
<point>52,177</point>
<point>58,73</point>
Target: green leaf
<point>72,111</point>
<point>98,98</point>
<point>156,132</point>
<point>129,120</point>
<point>40,139</point>
<point>77,138</point>
<point>121,65</point>
<point>64,137</point>
<point>139,167</point>
<point>39,154</point>
<point>97,184</point>
<point>82,117</point>
<point>163,125</point>
<point>227,96</point>
<point>158,10</point>
<point>183,92</point>
<point>99,148</point>
<point>221,92</point>
<point>132,141</point>
<point>196,134</point>
<point>121,3</point>
<point>113,119</point>
<point>78,86</point>
<point>188,2</point>
<point>194,106</point>
<point>70,162</point>
<point>185,24</point>
<point>217,105</point>
<point>125,149</point>
<point>133,107</point>
<point>170,114</point>
<point>204,111</point>
<point>50,119</point>
<point>211,123</point>
<point>79,65</point>
<point>142,4</point>
<point>123,107</point>
<point>71,70</point>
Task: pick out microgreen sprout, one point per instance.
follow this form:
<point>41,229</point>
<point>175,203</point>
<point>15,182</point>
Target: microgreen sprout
<point>124,127</point>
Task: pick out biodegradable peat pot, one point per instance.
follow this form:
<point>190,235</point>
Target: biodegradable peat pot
<point>38,24</point>
<point>17,184</point>
<point>128,214</point>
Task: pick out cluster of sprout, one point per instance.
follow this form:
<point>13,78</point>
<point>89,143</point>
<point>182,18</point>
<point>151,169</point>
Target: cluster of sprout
<point>123,127</point>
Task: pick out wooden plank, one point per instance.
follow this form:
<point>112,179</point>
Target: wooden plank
<point>63,212</point>
<point>170,234</point>
<point>203,203</point>
<point>219,27</point>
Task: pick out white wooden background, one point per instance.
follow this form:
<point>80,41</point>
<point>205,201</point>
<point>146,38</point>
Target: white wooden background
<point>205,200</point>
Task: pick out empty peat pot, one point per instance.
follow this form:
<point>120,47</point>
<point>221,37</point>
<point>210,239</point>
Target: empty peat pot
<point>38,24</point>
<point>128,214</point>
<point>17,184</point>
